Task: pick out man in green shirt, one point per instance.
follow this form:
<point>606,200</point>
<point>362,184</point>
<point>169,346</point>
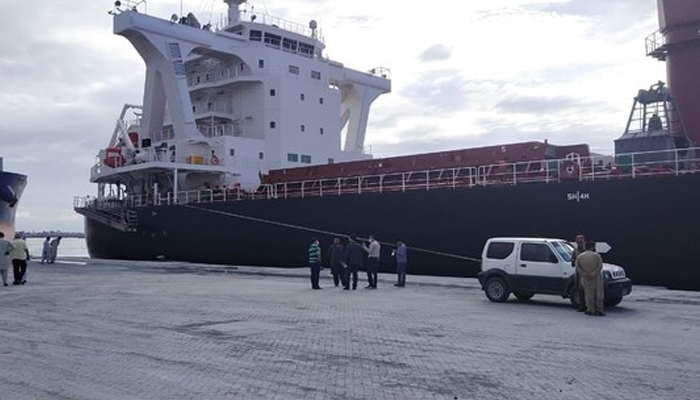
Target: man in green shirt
<point>315,263</point>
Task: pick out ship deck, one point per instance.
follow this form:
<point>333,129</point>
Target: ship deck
<point>106,329</point>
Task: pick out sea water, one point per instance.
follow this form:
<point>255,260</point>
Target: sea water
<point>69,247</point>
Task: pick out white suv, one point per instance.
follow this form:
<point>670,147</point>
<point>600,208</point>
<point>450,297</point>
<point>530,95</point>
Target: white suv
<point>529,266</point>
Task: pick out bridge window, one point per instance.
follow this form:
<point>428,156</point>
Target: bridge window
<point>273,40</point>
<point>255,36</point>
<point>289,45</point>
<point>306,49</point>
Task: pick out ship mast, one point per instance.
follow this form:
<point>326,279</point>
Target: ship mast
<point>234,13</point>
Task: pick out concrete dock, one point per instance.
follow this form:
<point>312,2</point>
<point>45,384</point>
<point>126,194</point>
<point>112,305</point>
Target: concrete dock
<point>103,329</point>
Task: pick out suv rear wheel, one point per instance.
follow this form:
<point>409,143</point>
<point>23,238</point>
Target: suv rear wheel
<point>496,290</point>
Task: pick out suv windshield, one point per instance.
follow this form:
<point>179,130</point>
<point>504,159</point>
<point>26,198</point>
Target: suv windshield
<point>565,250</point>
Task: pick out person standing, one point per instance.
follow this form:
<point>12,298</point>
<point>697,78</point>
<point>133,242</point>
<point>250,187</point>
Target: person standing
<point>589,266</point>
<point>5,248</point>
<point>401,254</point>
<point>315,263</point>
<point>46,251</point>
<point>19,256</point>
<point>335,255</point>
<point>54,249</point>
<point>578,286</point>
<point>372,262</point>
<point>354,258</point>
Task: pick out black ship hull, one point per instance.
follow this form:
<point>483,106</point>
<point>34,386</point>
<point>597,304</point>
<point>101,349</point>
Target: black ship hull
<point>650,223</point>
<point>11,188</point>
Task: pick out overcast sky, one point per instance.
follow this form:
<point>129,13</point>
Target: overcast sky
<point>486,73</point>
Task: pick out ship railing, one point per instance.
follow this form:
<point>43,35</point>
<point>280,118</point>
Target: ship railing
<point>655,45</point>
<point>212,131</point>
<point>671,162</point>
<point>290,26</point>
<point>587,168</point>
<point>627,165</point>
<point>377,183</point>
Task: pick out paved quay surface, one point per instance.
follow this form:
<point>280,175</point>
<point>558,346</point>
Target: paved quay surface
<point>99,329</point>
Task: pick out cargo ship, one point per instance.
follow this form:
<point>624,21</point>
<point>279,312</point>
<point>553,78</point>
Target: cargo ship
<point>250,142</point>
<point>11,188</point>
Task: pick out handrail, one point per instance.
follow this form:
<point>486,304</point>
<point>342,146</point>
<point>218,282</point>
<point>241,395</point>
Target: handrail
<point>590,168</point>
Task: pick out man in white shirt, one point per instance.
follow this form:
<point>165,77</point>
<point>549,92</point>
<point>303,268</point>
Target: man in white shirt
<point>372,262</point>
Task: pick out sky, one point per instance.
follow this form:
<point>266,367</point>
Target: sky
<point>485,73</point>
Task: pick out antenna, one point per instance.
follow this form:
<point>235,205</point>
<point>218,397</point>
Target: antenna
<point>313,25</point>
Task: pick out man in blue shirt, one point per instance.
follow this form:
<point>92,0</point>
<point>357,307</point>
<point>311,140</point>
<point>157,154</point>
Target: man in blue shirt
<point>401,254</point>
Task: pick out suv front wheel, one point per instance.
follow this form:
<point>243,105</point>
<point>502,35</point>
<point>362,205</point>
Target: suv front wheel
<point>496,290</point>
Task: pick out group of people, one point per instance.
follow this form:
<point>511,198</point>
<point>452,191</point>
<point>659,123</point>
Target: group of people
<point>50,250</point>
<point>346,262</point>
<point>16,253</point>
<point>589,277</point>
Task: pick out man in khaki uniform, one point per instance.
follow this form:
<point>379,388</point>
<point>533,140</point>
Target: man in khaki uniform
<point>589,266</point>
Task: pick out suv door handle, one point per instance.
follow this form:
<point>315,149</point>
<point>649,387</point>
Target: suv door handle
<point>523,265</point>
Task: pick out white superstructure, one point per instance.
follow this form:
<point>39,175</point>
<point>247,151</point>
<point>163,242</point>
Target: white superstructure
<point>222,106</point>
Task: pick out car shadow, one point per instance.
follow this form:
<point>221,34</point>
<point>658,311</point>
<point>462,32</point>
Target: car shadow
<point>557,303</point>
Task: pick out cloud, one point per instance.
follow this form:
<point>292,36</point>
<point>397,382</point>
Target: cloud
<point>539,105</point>
<point>438,91</point>
<point>437,52</point>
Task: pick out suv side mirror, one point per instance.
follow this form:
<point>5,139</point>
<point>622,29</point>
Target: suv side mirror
<point>553,259</point>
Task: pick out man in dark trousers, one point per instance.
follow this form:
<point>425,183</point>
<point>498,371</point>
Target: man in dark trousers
<point>401,254</point>
<point>315,263</point>
<point>578,286</point>
<point>372,262</point>
<point>335,255</point>
<point>354,258</point>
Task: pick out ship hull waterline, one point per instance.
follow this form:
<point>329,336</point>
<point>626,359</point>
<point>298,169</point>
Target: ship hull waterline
<point>650,224</point>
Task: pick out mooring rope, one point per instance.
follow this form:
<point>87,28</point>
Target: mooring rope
<point>324,232</point>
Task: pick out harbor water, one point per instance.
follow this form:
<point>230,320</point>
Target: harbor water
<point>69,247</point>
